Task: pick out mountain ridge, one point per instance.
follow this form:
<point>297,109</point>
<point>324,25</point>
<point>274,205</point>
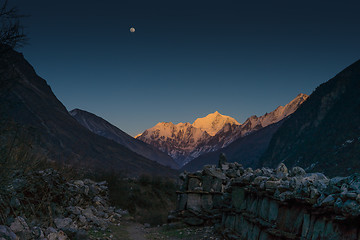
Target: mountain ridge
<point>245,150</point>
<point>323,134</point>
<point>28,101</point>
<point>104,128</point>
<point>184,141</point>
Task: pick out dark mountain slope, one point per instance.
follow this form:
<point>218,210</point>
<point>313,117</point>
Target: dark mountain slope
<point>103,128</point>
<point>246,150</point>
<point>324,133</point>
<point>27,100</point>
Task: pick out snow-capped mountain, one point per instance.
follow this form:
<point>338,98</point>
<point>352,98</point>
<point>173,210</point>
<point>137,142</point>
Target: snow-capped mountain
<point>214,122</point>
<point>230,133</point>
<point>177,140</point>
<point>186,141</point>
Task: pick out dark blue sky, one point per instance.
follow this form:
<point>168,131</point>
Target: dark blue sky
<point>187,58</point>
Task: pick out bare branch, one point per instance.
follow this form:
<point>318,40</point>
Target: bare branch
<point>11,31</point>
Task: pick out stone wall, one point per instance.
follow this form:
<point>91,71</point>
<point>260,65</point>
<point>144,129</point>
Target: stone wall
<point>270,203</point>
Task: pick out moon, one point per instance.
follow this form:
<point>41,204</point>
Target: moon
<point>132,29</point>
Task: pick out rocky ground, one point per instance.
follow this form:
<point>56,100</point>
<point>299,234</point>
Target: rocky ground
<point>43,205</point>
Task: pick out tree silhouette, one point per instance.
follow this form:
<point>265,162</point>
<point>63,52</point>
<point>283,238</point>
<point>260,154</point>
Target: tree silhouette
<point>11,30</point>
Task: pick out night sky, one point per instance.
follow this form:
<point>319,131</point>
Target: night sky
<point>186,58</point>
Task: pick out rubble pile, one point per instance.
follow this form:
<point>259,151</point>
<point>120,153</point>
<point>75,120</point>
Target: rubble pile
<point>43,205</point>
<point>270,203</point>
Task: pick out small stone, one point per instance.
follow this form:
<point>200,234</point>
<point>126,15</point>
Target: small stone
<point>337,181</point>
<point>259,180</point>
<point>224,167</point>
<point>338,205</point>
<point>194,182</point>
<point>86,190</point>
<point>37,232</point>
<point>50,230</point>
<point>74,210</point>
<point>6,233</point>
<point>281,171</point>
<point>328,201</point>
<point>315,177</point>
<point>358,198</point>
<point>82,219</point>
<point>102,183</point>
<point>79,183</point>
<point>272,184</point>
<point>57,236</point>
<point>19,225</point>
<point>351,195</point>
<point>298,171</point>
<point>62,222</point>
<point>217,173</point>
<point>88,213</point>
<point>15,203</point>
<point>286,196</point>
<point>122,212</point>
<point>314,193</point>
<point>352,207</point>
<point>97,199</point>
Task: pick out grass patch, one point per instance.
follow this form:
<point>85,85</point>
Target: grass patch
<point>149,199</point>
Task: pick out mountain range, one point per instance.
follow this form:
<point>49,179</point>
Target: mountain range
<point>319,132</point>
<point>186,141</point>
<point>103,128</point>
<point>27,102</point>
<point>246,150</point>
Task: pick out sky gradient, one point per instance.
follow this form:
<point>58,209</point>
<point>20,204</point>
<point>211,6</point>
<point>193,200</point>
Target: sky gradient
<point>186,59</point>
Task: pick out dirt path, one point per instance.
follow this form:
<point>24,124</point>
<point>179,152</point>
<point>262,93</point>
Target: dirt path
<point>136,231</point>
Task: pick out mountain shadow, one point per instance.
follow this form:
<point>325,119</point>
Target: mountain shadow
<point>27,101</point>
<point>324,133</point>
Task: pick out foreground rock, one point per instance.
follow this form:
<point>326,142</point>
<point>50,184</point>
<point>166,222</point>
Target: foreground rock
<point>270,203</point>
<point>43,205</point>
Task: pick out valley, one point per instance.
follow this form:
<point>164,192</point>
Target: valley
<point>200,120</point>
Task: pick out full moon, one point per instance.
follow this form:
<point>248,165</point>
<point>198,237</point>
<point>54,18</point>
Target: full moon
<point>132,29</point>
